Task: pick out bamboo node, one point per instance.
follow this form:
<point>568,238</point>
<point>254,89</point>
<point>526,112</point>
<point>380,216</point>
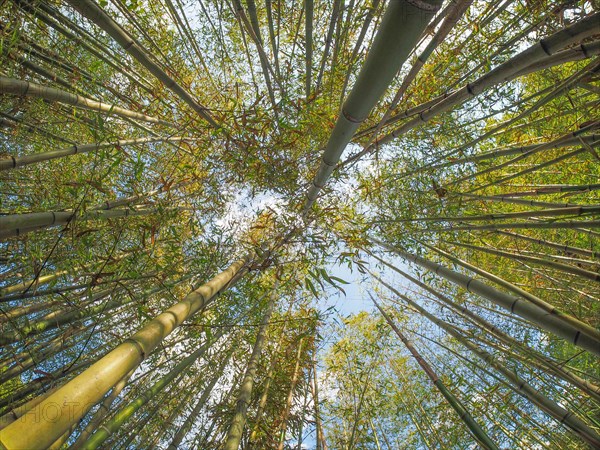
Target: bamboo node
<point>423,5</point>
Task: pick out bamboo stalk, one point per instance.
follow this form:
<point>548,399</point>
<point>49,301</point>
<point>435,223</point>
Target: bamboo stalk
<point>456,10</point>
<point>125,412</point>
<point>551,212</point>
<point>477,432</point>
<point>535,358</point>
<point>90,386</point>
<point>20,161</point>
<point>548,321</point>
<point>29,89</point>
<point>187,425</point>
<point>290,396</point>
<point>528,225</point>
<point>308,39</point>
<point>401,26</point>
<point>542,49</point>
<point>236,428</point>
<point>594,276</point>
<point>96,15</point>
<point>512,288</point>
<point>520,386</point>
<point>562,247</point>
<point>20,224</point>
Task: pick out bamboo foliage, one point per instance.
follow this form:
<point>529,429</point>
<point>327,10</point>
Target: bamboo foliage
<point>471,129</point>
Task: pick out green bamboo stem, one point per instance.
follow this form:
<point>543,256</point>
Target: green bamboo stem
<point>577,53</point>
<point>526,225</point>
<point>324,59</point>
<point>101,413</point>
<point>574,137</point>
<point>520,386</point>
<point>272,38</point>
<point>14,122</point>
<point>20,161</point>
<point>236,428</point>
<point>553,189</point>
<point>23,88</point>
<point>90,386</point>
<point>25,353</point>
<point>584,327</point>
<point>552,212</point>
<point>125,412</point>
<point>290,396</point>
<point>52,348</point>
<point>308,39</point>
<point>574,270</point>
<point>554,245</point>
<point>20,224</point>
<point>265,394</point>
<point>96,15</point>
<point>401,26</point>
<point>96,49</point>
<point>266,67</point>
<point>532,169</point>
<point>544,48</point>
<point>478,433</point>
<point>201,404</point>
<point>372,8</point>
<point>534,357</point>
<point>32,284</point>
<point>519,306</point>
<point>15,413</point>
<point>28,47</point>
<point>457,8</point>
<point>87,309</point>
<point>38,385</point>
<point>512,200</point>
<point>320,435</point>
<point>562,88</point>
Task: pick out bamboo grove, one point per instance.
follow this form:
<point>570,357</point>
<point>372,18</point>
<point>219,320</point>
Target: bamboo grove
<point>183,181</point>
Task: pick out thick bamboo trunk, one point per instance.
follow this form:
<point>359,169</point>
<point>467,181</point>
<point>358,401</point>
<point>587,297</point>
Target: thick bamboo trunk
<point>30,89</point>
<point>308,39</point>
<point>543,49</point>
<point>547,320</point>
<point>20,224</point>
<point>95,14</point>
<point>401,26</point>
<point>456,10</point>
<point>125,413</point>
<point>90,386</point>
<point>16,162</point>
